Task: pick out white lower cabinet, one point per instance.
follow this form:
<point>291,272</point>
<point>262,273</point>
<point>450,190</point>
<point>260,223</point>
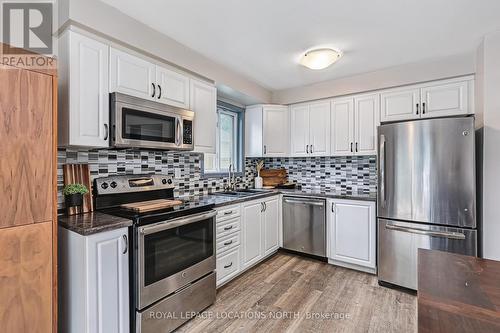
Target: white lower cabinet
<point>94,281</point>
<point>351,230</point>
<point>246,234</point>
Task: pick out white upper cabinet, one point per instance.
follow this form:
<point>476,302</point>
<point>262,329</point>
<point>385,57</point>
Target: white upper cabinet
<point>266,131</point>
<point>299,129</point>
<point>319,128</point>
<point>352,233</point>
<point>366,120</point>
<point>140,77</point>
<point>173,88</point>
<point>131,75</point>
<point>310,129</point>
<point>342,126</point>
<point>444,99</point>
<point>354,122</point>
<point>204,104</point>
<point>83,91</point>
<point>400,104</point>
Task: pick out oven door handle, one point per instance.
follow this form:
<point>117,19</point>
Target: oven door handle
<point>176,223</point>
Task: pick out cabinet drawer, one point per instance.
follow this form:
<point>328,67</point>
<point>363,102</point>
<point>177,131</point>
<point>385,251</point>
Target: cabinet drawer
<point>229,212</point>
<point>228,264</point>
<point>228,242</point>
<point>228,227</point>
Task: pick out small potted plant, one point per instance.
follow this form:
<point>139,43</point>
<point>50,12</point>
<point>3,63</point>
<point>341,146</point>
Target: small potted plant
<point>73,194</point>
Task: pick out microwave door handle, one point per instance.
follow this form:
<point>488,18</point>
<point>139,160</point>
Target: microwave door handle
<point>176,223</point>
<point>178,129</point>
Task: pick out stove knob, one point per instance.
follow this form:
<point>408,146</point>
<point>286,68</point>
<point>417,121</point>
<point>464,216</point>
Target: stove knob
<point>163,181</point>
<point>104,185</point>
<point>113,184</point>
<point>169,182</point>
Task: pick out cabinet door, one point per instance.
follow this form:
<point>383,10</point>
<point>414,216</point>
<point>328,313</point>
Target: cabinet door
<point>26,147</point>
<point>342,127</point>
<point>366,120</point>
<point>251,233</point>
<point>107,276</point>
<point>449,99</point>
<point>173,88</point>
<point>26,278</point>
<point>271,226</point>
<point>400,104</point>
<point>299,129</point>
<point>253,131</point>
<point>319,129</point>
<point>131,75</point>
<point>276,131</point>
<point>352,232</point>
<point>204,105</point>
<point>88,91</point>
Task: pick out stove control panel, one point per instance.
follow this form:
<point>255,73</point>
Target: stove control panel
<point>132,183</point>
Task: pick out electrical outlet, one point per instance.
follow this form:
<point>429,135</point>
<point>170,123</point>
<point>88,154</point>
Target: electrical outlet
<point>177,173</point>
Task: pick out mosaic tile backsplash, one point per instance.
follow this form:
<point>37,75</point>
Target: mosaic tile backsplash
<point>344,174</point>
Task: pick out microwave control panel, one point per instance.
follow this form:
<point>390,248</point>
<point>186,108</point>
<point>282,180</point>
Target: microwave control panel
<point>187,135</point>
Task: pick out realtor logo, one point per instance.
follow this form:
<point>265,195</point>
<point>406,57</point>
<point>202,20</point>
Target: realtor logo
<point>27,25</point>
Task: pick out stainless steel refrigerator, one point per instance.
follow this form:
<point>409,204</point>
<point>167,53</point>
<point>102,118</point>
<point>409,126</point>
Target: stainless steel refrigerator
<point>426,194</point>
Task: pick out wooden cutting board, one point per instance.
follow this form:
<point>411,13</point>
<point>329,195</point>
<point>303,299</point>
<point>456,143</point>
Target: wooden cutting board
<point>79,174</point>
<point>151,205</point>
<point>274,177</point>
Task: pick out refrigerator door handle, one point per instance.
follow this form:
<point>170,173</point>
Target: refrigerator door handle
<point>382,169</point>
<point>452,235</point>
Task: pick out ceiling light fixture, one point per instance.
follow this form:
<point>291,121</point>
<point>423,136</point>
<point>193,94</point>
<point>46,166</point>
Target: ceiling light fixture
<point>320,58</point>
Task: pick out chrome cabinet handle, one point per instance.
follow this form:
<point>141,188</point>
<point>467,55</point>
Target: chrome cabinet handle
<point>382,169</point>
<point>357,147</point>
<point>423,108</point>
<point>444,234</point>
<point>159,91</point>
<point>154,90</point>
<point>229,243</point>
<point>351,148</point>
<point>307,149</point>
<point>261,207</point>
<point>228,213</point>
<point>265,149</point>
<point>333,205</point>
<point>106,132</point>
<point>265,206</point>
<point>417,108</point>
<point>125,239</point>
<point>312,151</point>
<point>227,266</point>
<point>228,228</point>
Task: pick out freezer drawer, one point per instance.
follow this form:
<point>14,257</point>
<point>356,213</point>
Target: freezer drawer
<point>398,244</point>
<point>304,225</point>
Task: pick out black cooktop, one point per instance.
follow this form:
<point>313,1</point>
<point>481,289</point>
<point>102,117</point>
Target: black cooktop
<point>188,207</point>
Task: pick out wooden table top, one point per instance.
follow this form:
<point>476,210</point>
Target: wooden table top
<point>457,293</point>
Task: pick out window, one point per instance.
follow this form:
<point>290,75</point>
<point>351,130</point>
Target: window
<point>229,141</point>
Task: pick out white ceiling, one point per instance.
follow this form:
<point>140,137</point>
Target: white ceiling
<point>263,39</point>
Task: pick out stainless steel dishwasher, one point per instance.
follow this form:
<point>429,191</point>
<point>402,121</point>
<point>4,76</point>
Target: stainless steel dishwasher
<point>304,225</point>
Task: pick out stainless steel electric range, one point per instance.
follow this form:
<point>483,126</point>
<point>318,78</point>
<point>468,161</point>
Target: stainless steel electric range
<point>172,262</point>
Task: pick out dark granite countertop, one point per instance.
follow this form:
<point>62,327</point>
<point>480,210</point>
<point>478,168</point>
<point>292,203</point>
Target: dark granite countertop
<point>92,223</point>
<point>330,194</point>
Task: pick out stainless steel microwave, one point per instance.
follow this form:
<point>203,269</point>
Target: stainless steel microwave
<point>139,123</point>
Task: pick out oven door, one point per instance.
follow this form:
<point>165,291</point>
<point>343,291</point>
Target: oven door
<point>136,126</point>
<point>173,254</point>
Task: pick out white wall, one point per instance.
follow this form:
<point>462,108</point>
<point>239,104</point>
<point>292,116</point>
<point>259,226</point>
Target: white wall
<point>488,104</point>
<point>102,19</point>
<point>390,77</point>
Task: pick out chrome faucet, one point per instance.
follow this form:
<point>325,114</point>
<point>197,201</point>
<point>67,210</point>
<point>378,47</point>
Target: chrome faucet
<point>231,186</point>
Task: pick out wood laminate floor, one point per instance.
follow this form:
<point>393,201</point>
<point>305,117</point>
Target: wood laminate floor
<point>288,293</point>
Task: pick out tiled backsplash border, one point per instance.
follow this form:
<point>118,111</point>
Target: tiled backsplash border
<point>344,174</point>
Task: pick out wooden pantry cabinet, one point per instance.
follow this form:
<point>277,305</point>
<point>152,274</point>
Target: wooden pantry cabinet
<point>28,214</point>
